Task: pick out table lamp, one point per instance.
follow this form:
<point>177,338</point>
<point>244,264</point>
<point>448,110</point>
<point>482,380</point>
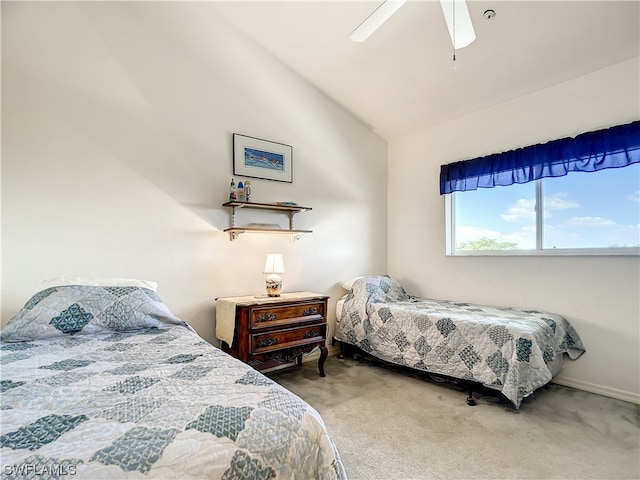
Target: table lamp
<point>273,266</point>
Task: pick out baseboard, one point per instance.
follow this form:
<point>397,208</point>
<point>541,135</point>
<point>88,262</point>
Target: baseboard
<point>599,389</point>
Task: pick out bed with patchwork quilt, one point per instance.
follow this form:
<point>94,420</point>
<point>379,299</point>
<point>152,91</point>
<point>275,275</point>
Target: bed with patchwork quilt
<point>105,382</point>
<point>511,350</point>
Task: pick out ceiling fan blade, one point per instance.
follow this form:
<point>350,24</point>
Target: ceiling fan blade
<point>375,20</point>
<point>456,14</point>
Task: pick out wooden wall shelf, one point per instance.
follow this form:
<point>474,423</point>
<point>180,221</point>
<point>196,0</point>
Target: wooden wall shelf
<point>291,210</point>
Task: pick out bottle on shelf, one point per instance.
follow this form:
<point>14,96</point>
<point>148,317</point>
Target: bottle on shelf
<point>247,191</point>
<point>232,191</point>
<point>240,192</point>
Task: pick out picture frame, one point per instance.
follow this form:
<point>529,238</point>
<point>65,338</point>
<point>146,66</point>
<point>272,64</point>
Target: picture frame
<point>258,158</point>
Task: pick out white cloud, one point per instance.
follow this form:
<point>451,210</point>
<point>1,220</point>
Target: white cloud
<point>589,222</point>
<point>525,237</point>
<point>524,209</point>
<point>571,236</point>
<point>464,234</point>
<point>559,201</point>
<point>634,197</point>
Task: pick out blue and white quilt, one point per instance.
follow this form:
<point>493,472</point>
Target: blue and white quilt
<point>104,382</point>
<point>507,349</point>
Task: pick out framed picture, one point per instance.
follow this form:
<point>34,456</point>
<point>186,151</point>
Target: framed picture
<point>256,158</point>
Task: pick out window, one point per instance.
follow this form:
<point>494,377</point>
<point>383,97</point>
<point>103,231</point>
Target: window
<point>587,210</point>
<point>582,213</point>
<point>502,218</point>
<point>577,195</point>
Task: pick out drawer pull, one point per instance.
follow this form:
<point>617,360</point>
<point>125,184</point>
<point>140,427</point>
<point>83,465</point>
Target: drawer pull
<point>310,311</point>
<point>266,317</point>
<point>311,333</point>
<point>267,342</point>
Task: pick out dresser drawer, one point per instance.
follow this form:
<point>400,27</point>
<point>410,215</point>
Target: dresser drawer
<point>274,332</point>
<point>288,337</point>
<point>261,317</point>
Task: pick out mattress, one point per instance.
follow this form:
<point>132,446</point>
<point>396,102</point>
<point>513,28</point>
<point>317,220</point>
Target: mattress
<point>511,350</point>
<point>101,382</point>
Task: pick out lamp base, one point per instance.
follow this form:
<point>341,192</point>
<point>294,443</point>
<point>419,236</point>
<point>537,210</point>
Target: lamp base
<point>274,285</point>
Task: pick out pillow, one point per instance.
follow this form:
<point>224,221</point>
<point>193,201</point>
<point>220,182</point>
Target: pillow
<point>108,282</point>
<point>379,288</point>
<point>65,311</point>
<point>347,284</point>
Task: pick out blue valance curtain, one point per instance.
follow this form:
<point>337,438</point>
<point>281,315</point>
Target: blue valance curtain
<point>613,147</point>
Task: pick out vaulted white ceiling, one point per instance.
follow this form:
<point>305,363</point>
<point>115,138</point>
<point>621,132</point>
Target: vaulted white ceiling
<point>403,78</point>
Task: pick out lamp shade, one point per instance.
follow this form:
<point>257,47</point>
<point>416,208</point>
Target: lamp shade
<point>274,263</point>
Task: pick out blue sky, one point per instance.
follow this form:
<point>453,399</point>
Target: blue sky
<point>581,210</point>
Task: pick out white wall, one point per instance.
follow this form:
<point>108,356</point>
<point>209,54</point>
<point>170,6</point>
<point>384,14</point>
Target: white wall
<point>598,295</point>
<point>117,122</point>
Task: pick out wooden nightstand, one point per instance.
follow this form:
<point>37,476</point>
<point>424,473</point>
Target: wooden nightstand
<point>272,331</point>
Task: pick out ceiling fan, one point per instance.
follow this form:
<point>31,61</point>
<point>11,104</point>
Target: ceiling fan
<point>456,14</point>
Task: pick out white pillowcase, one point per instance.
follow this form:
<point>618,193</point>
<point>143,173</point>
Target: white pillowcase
<point>346,284</point>
<point>99,282</point>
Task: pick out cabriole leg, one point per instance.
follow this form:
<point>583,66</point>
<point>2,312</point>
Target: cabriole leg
<point>324,353</point>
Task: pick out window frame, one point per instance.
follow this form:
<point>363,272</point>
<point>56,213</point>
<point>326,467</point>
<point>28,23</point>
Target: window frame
<point>450,240</point>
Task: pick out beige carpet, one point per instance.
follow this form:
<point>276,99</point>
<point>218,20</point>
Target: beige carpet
<point>391,425</point>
